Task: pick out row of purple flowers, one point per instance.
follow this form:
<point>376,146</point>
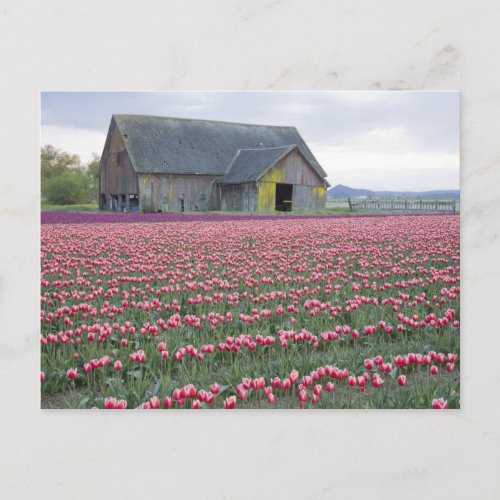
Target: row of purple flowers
<point>79,218</point>
<point>85,218</point>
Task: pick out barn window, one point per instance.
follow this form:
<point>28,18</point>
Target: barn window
<point>182,204</point>
<point>117,158</point>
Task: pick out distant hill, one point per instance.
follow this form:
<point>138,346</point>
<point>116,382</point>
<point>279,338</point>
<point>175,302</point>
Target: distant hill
<point>343,192</point>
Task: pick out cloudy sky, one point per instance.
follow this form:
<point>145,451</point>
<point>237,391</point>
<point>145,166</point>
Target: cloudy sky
<point>364,139</point>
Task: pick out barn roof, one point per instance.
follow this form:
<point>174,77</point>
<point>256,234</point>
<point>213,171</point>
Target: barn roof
<point>249,164</point>
<point>166,145</point>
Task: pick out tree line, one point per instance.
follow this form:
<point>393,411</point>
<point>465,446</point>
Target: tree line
<point>65,180</point>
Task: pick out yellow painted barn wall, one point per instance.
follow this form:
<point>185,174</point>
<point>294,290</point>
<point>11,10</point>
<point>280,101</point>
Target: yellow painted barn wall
<point>266,198</point>
<point>309,188</point>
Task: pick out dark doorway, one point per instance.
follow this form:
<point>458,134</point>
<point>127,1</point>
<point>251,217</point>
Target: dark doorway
<point>284,194</point>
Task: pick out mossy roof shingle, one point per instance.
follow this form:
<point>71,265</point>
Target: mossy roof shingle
<point>166,145</point>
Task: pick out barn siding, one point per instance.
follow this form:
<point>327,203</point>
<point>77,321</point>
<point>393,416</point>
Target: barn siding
<point>158,189</point>
<point>301,197</point>
<point>117,175</point>
<point>238,197</point>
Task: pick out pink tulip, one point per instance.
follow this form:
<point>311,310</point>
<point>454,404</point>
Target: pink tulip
<point>154,402</point>
<point>439,404</point>
<point>110,403</point>
<point>330,386</point>
<point>368,363</point>
<point>318,389</point>
<point>121,404</point>
<point>230,403</point>
<point>294,376</point>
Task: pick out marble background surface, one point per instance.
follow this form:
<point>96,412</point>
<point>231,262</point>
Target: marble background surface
<point>155,45</point>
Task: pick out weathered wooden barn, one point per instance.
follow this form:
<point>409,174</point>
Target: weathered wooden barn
<point>153,164</point>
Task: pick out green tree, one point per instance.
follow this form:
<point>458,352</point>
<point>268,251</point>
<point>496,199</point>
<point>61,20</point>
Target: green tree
<point>68,188</point>
<point>91,172</point>
<point>55,162</point>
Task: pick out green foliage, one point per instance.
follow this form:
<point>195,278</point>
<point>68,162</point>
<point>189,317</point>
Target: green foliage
<point>66,189</point>
<point>91,172</point>
<point>55,162</point>
<point>65,180</point>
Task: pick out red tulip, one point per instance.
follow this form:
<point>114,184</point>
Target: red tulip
<point>230,403</point>
<point>154,402</point>
<point>377,381</point>
<point>242,392</point>
<point>276,382</point>
<point>361,381</point>
<point>330,386</point>
<point>402,380</point>
<point>439,404</point>
<point>121,404</point>
<point>110,403</point>
<point>72,373</point>
<point>294,376</point>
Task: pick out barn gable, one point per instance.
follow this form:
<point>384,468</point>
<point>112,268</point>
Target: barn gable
<point>251,164</point>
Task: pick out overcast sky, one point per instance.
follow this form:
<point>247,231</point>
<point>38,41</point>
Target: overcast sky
<point>364,139</point>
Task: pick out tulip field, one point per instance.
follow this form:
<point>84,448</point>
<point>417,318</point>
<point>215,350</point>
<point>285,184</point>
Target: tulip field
<point>207,312</point>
